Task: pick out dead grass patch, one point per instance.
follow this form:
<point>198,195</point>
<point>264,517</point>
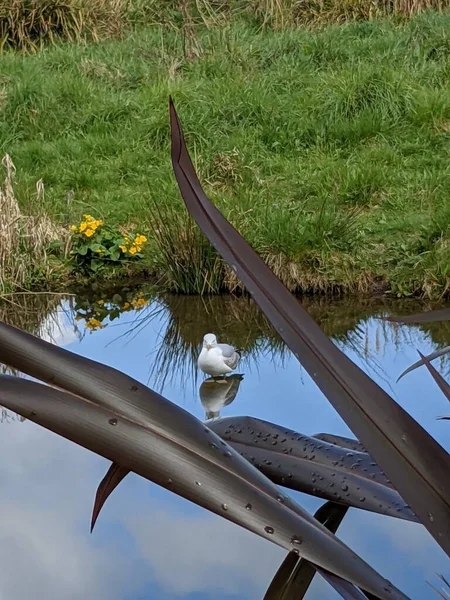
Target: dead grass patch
<point>24,239</point>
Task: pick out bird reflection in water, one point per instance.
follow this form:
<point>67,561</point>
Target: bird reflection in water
<point>217,393</point>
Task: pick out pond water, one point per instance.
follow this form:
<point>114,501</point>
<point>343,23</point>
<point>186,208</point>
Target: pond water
<point>150,543</point>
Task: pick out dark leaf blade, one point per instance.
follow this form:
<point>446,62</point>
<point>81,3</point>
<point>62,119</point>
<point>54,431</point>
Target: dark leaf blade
<point>313,466</point>
<point>216,486</point>
<point>181,431</point>
<point>343,588</point>
<point>280,582</point>
<point>339,440</point>
<point>112,389</point>
<point>443,385</point>
<point>415,463</point>
<point>429,357</point>
<point>331,515</point>
<point>108,484</point>
<point>293,578</point>
<point>431,316</point>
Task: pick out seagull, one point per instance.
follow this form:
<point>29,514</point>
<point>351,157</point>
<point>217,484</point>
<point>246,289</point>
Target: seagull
<point>216,359</point>
<point>215,394</point>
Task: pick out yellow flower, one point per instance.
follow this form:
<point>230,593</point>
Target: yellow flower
<point>123,248</point>
<point>140,303</point>
<point>73,228</point>
<point>83,226</point>
<point>99,250</point>
<point>100,302</point>
<point>126,305</point>
<point>94,324</point>
<point>133,250</point>
<point>95,224</point>
<point>88,218</point>
<point>89,233</point>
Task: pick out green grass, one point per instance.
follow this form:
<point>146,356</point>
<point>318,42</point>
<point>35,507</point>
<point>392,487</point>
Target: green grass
<point>328,148</point>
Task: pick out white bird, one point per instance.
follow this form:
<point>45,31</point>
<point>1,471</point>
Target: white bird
<point>215,394</point>
<point>216,359</point>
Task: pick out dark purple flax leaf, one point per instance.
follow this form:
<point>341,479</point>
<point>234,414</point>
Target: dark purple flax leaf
<point>429,357</point>
<point>415,463</point>
<point>305,464</point>
<point>313,466</point>
<point>343,588</point>
<point>339,440</point>
<point>280,584</point>
<point>115,416</point>
<point>431,316</point>
<point>294,577</point>
<point>443,385</point>
<point>108,484</point>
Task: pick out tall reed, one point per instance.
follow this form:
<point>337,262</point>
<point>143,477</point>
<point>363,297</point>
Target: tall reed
<point>24,239</point>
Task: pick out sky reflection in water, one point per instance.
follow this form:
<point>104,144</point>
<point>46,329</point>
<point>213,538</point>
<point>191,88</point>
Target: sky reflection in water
<point>149,543</point>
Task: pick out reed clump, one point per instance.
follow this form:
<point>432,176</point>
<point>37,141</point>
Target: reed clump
<point>287,13</point>
<point>24,239</point>
<point>282,14</point>
<point>28,25</point>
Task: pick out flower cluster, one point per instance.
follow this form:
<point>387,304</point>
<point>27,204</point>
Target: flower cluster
<point>94,324</point>
<point>97,313</point>
<point>135,246</point>
<point>139,302</point>
<point>87,227</point>
<point>95,246</point>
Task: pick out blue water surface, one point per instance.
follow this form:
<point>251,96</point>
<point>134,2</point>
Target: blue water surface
<point>151,544</point>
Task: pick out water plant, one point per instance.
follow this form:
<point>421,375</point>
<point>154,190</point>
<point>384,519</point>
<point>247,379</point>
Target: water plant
<point>96,246</point>
<point>97,314</point>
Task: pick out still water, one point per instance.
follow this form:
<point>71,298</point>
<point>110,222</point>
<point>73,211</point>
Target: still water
<point>149,543</point>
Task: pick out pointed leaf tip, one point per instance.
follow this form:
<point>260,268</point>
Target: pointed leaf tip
<point>430,357</point>
<point>110,481</point>
<point>443,385</point>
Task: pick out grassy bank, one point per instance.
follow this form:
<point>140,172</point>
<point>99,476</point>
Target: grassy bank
<point>327,147</point>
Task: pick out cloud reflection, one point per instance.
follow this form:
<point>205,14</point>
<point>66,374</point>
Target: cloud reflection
<point>152,544</point>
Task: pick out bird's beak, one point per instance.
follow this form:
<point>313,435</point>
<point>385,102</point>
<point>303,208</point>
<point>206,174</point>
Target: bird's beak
<point>208,346</point>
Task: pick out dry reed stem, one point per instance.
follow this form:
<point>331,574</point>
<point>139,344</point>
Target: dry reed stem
<point>27,25</point>
<point>24,240</point>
